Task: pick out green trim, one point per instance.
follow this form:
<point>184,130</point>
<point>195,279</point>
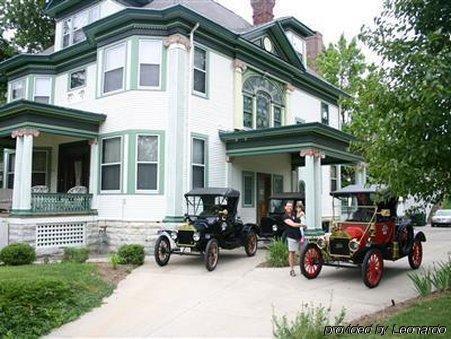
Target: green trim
<point>132,161</point>
<point>134,63</point>
<point>173,219</point>
<point>205,138</point>
<point>243,188</point>
<point>30,87</point>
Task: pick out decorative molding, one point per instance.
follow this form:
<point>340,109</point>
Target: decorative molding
<point>312,152</point>
<point>239,65</point>
<point>229,159</point>
<point>290,88</point>
<point>25,132</point>
<point>177,39</point>
<point>92,142</point>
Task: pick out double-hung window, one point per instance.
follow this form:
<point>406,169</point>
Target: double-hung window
<point>325,113</point>
<point>200,71</point>
<point>248,189</point>
<point>111,164</point>
<point>40,169</point>
<point>77,79</point>
<point>42,89</point>
<point>333,178</point>
<point>18,89</point>
<point>114,68</point>
<point>277,118</point>
<point>73,25</point>
<point>277,184</point>
<point>198,163</point>
<point>149,63</point>
<point>147,163</point>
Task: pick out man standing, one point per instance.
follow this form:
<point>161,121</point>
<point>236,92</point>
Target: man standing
<point>294,235</point>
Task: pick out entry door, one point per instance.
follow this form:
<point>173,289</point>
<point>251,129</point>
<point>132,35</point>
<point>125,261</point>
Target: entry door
<point>73,165</point>
<point>264,189</point>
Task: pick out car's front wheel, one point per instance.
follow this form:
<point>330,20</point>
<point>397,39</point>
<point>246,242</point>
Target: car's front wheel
<point>250,245</point>
<point>162,251</point>
<point>372,268</point>
<point>416,255</point>
<point>311,261</point>
<point>211,255</point>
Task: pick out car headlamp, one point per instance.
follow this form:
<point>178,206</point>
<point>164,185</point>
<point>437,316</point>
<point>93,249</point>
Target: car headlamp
<point>274,228</point>
<point>224,226</point>
<point>174,236</point>
<point>354,245</point>
<point>321,242</point>
<point>196,236</point>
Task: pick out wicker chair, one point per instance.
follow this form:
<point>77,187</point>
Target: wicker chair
<point>78,190</point>
<point>40,189</point>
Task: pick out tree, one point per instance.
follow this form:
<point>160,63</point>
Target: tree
<point>404,132</point>
<point>343,65</point>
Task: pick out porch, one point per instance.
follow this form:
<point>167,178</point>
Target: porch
<point>48,159</point>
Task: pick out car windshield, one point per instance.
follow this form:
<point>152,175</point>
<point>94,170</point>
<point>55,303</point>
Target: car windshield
<point>444,213</point>
<point>354,209</point>
<point>206,206</point>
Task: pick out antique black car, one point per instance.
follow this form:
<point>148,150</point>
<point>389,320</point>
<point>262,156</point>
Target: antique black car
<point>211,223</point>
<point>272,225</point>
<point>365,232</point>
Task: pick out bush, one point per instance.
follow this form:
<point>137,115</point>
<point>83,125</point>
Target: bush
<point>76,255</point>
<point>417,215</point>
<point>114,260</point>
<point>422,282</point>
<point>131,255</point>
<point>278,254</point>
<point>438,277</point>
<point>18,254</point>
<point>309,323</point>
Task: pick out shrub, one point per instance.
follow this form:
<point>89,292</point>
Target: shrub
<point>309,323</point>
<point>76,255</point>
<point>278,254</point>
<point>417,215</point>
<point>422,282</point>
<point>114,260</point>
<point>131,255</point>
<point>18,254</point>
<point>441,276</point>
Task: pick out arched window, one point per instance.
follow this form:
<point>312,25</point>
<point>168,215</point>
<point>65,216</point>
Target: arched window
<point>263,103</point>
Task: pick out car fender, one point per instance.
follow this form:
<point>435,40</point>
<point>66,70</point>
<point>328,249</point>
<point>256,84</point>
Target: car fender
<point>166,234</point>
<point>250,227</point>
<point>419,236</point>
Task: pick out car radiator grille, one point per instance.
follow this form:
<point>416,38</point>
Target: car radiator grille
<point>339,246</point>
<point>185,238</point>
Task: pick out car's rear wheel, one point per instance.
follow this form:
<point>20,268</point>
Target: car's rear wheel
<point>416,255</point>
<point>211,255</point>
<point>250,245</point>
<point>311,261</point>
<point>372,268</point>
<point>162,251</point>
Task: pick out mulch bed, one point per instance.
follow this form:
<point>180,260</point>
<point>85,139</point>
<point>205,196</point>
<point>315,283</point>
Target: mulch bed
<point>111,275</point>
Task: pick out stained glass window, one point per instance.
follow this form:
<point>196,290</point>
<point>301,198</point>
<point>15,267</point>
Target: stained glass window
<point>248,112</point>
<point>277,116</point>
<point>263,105</point>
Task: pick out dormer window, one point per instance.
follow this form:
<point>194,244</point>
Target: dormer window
<point>298,44</point>
<point>73,25</point>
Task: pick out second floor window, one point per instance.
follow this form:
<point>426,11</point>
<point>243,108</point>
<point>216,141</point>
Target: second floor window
<point>149,63</point>
<point>114,69</point>
<point>77,79</point>
<point>325,113</point>
<point>42,90</point>
<point>263,108</point>
<point>73,26</point>
<point>18,89</point>
<point>248,119</point>
<point>200,71</point>
<point>277,116</point>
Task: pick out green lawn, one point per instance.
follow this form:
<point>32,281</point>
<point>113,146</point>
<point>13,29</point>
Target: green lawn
<point>37,298</point>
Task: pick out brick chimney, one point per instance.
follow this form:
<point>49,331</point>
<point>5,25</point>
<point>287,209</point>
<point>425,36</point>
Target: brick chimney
<point>263,11</point>
<point>314,46</point>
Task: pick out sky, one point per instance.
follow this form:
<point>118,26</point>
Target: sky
<point>330,17</point>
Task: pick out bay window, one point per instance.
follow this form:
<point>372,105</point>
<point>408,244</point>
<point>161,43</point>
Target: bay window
<point>200,71</point>
<point>42,89</point>
<point>150,53</point>
<point>114,68</point>
<point>72,26</point>
<point>111,165</point>
<point>147,163</point>
<point>198,163</point>
<point>18,89</point>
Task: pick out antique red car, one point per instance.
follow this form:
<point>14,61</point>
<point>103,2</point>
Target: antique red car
<point>365,232</point>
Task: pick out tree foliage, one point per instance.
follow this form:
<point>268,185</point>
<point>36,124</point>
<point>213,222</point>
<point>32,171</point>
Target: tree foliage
<point>404,130</point>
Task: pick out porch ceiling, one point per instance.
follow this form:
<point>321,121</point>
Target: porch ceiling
<point>291,140</point>
<point>48,118</point>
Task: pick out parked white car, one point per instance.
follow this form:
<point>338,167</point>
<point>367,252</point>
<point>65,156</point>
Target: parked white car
<point>441,218</point>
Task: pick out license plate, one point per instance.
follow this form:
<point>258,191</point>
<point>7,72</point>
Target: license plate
<point>185,249</point>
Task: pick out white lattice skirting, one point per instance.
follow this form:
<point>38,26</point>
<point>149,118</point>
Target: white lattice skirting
<point>61,234</point>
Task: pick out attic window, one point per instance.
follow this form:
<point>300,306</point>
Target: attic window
<point>73,25</point>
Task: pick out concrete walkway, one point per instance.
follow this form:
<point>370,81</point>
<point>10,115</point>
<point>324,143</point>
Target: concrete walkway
<point>238,299</point>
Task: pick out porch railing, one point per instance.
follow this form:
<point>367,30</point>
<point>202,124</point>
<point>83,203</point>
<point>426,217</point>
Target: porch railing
<point>60,203</point>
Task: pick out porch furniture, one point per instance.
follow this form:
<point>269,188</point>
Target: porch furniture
<point>78,190</point>
<point>6,199</point>
<point>40,189</point>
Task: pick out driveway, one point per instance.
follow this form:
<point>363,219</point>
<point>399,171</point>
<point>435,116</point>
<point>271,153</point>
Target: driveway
<point>238,299</point>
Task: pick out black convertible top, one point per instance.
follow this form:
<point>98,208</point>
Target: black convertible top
<point>288,195</point>
<point>214,191</point>
<point>355,189</point>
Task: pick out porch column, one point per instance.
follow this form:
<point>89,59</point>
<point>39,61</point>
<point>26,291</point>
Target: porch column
<point>239,67</point>
<point>178,59</point>
<point>228,172</point>
<point>289,119</point>
<point>313,187</point>
<point>24,169</point>
<point>93,172</point>
<point>360,174</point>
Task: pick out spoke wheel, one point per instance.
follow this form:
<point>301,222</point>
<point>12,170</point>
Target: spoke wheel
<point>251,243</point>
<point>211,255</point>
<point>372,268</point>
<point>311,261</point>
<point>416,255</point>
<point>162,251</point>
